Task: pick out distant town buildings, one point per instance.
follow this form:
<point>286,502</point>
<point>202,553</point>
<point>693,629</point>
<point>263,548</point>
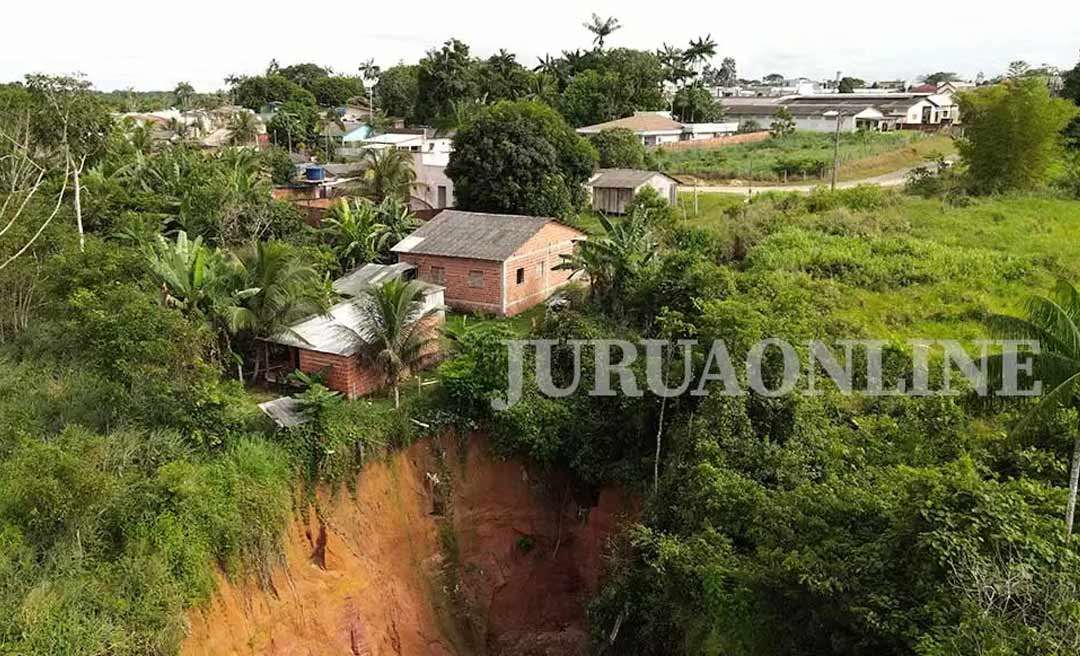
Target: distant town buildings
<point>659,128</point>
<point>210,128</point>
<point>878,112</point>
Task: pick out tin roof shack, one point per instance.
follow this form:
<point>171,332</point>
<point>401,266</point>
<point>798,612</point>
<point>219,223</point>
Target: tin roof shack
<point>611,190</point>
<point>333,346</point>
<point>500,264</point>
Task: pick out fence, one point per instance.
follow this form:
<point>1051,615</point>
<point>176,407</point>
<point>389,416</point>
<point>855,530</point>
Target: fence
<point>717,142</point>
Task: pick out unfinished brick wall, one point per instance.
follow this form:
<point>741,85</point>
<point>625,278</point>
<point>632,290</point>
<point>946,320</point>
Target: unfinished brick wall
<point>537,259</point>
<point>343,373</point>
<point>355,375</point>
<point>537,283</point>
<point>459,294</point>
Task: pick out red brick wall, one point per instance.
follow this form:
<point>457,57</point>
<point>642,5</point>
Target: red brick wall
<point>544,247</point>
<point>343,373</point>
<point>354,376</point>
<point>459,295</point>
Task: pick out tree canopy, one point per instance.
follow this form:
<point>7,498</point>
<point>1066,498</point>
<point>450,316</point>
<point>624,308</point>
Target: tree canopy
<point>619,148</point>
<point>1012,134</point>
<point>520,157</point>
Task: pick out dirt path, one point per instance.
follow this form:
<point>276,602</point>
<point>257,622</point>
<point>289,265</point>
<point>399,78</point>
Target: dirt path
<point>893,179</point>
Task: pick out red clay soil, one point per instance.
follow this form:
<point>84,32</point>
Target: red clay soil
<point>382,575</point>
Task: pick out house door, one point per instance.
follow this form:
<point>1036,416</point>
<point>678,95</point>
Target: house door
<point>442,197</point>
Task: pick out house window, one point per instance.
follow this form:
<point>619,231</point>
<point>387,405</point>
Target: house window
<point>520,275</point>
<point>540,270</point>
<point>438,275</point>
<point>476,279</point>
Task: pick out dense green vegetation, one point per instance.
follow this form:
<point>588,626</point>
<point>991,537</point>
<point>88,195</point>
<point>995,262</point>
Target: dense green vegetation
<point>619,148</point>
<point>134,465</point>
<point>136,281</point>
<point>520,158</point>
<point>818,524</point>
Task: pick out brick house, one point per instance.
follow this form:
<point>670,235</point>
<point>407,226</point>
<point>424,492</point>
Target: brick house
<point>501,264</point>
<point>330,345</point>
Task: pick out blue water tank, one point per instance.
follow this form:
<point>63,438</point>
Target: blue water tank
<point>315,173</point>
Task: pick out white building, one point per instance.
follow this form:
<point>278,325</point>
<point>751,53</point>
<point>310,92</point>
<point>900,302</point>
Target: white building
<point>413,141</point>
<point>877,112</point>
<point>658,128</point>
<point>432,186</point>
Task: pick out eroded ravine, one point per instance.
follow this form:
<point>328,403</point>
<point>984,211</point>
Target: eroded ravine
<point>504,566</point>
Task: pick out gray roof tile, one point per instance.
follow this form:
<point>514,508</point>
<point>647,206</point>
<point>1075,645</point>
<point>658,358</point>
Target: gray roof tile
<point>623,178</point>
<point>473,235</point>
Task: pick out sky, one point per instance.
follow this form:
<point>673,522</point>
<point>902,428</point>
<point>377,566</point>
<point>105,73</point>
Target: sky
<point>119,44</point>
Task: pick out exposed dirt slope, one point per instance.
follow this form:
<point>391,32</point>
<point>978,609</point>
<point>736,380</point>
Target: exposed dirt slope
<point>505,571</point>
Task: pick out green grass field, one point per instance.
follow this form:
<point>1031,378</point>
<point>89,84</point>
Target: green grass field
<point>806,157</point>
<point>910,269</point>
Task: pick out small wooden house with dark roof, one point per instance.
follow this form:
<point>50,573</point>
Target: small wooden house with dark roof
<point>612,189</point>
<point>499,264</point>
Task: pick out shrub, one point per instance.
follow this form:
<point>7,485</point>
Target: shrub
<point>619,148</point>
<point>657,210</point>
<point>879,263</point>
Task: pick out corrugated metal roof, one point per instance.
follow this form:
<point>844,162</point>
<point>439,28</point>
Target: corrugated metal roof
<point>355,282</point>
<point>624,178</point>
<point>285,412</point>
<point>341,330</point>
<point>473,235</point>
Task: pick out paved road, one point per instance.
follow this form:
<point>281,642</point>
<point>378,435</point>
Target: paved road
<point>894,179</point>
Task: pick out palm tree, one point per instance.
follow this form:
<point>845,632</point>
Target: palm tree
<point>1055,322</point>
<point>553,67</point>
<point>370,73</point>
<point>352,229</point>
<point>675,68</point>
<point>576,61</point>
<point>602,28</point>
<point>462,112</point>
<point>700,51</point>
<point>243,128</point>
<point>324,126</point>
<point>196,279</point>
<point>397,331</point>
<point>273,289</point>
<point>543,87</point>
<point>389,173</point>
<point>183,93</point>
<point>612,261</point>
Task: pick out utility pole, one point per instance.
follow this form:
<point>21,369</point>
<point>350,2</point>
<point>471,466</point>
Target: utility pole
<point>836,146</point>
<point>750,177</point>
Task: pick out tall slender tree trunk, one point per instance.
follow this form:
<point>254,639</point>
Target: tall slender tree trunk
<point>397,397</point>
<point>78,203</point>
<point>656,457</point>
<point>1074,478</point>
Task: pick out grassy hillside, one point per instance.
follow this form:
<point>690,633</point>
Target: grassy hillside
<point>908,268</point>
<point>806,156</point>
